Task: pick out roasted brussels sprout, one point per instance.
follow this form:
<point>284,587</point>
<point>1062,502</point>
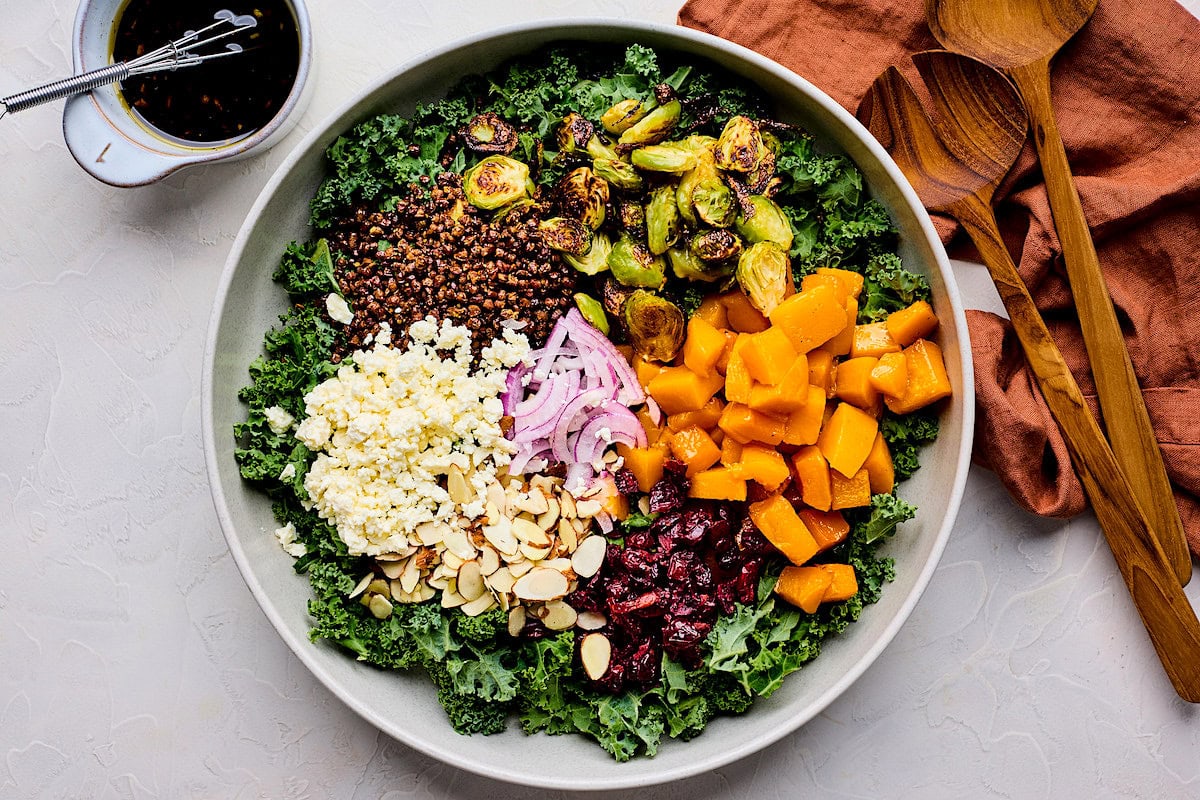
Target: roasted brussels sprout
<point>619,173</point>
<point>487,133</point>
<point>622,116</point>
<point>740,145</point>
<point>613,296</point>
<point>687,266</point>
<point>574,133</point>
<point>663,222</point>
<point>566,235</point>
<point>595,260</point>
<point>633,264</point>
<point>715,245</point>
<point>758,178</point>
<point>592,311</point>
<point>656,325</point>
<point>714,203</point>
<point>765,274</point>
<point>705,170</point>
<point>495,182</point>
<point>653,128</point>
<point>670,157</point>
<point>767,224</point>
<point>583,195</point>
<point>632,218</point>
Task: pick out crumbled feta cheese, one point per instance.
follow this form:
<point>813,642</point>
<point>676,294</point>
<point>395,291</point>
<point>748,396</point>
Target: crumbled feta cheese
<point>287,540</point>
<point>288,473</point>
<point>279,420</point>
<point>389,426</point>
<point>338,308</point>
<point>384,336</point>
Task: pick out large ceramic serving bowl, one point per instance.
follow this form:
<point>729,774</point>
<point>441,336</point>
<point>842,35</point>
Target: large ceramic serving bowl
<point>404,705</point>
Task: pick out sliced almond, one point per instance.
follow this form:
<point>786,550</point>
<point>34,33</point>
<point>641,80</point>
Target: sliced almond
<point>378,586</point>
<point>470,581</point>
<point>381,607</point>
<point>489,560</point>
<point>587,509</point>
<point>430,533</point>
<point>496,496</point>
<point>533,552</point>
<point>451,563</point>
<point>567,535</point>
<point>457,542</point>
<point>529,533</point>
<point>501,581</point>
<point>451,598</point>
<point>595,651</point>
<point>457,487</point>
<point>532,502</point>
<point>500,536</point>
<point>519,568</point>
<point>410,576</point>
<point>566,505</point>
<point>479,605</point>
<point>425,592</point>
<point>382,557</point>
<point>559,616</point>
<point>560,564</point>
<point>437,582</point>
<point>591,620</point>
<point>589,556</point>
<point>516,621</point>
<point>392,569</point>
<point>362,585</point>
<point>549,517</point>
<point>541,584</point>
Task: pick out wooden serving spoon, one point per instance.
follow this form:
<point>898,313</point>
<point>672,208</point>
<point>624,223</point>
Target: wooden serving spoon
<point>954,162</point>
<point>1020,37</point>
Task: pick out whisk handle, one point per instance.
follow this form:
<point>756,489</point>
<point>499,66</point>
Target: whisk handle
<point>67,87</point>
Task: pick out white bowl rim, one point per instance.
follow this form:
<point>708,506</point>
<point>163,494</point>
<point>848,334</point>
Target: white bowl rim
<point>303,648</point>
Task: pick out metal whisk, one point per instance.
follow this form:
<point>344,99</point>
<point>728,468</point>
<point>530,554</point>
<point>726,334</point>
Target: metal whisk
<point>170,57</point>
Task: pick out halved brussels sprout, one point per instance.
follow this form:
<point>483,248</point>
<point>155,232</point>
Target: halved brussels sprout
<point>619,173</point>
<point>671,157</point>
<point>740,145</point>
<point>595,260</point>
<point>599,148</point>
<point>622,116</point>
<point>487,133</point>
<point>633,264</point>
<point>654,127</point>
<point>687,266</point>
<point>758,178</point>
<point>765,274</point>
<point>566,235</point>
<point>583,195</point>
<point>663,222</point>
<point>715,202</point>
<point>705,170</point>
<point>656,325</point>
<point>632,218</point>
<point>574,133</point>
<point>613,296</point>
<point>715,245</point>
<point>592,311</point>
<point>767,224</point>
<point>496,182</point>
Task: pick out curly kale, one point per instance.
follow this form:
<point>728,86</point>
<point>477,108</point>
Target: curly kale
<point>889,287</point>
<point>905,436</point>
<point>306,270</point>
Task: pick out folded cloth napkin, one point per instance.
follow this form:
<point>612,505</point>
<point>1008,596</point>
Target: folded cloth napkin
<point>1127,94</point>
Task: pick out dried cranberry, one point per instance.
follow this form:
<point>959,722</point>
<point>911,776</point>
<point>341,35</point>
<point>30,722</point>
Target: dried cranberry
<point>696,523</point>
<point>727,598</point>
<point>626,481</point>
<point>665,495</point>
<point>638,540</point>
<point>644,664</point>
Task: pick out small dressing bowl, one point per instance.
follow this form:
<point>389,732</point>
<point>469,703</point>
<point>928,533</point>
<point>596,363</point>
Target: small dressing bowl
<point>113,144</point>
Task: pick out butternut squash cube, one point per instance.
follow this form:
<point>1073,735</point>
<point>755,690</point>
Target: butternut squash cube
<point>850,492</point>
<point>730,339</point>
<point>890,374</point>
<point>695,448</point>
<point>764,465</point>
<point>768,355</point>
<point>731,451</point>
<point>881,472</point>
<point>927,378</point>
<point>747,425</point>
<point>702,347</point>
<point>847,437</point>
<point>646,371</point>
<point>718,483</point>
<point>786,396</point>
<point>738,383</point>
<point>653,429</point>
<point>712,311</point>
<point>810,318</point>
<point>873,339</point>
<point>853,382</point>
<point>646,464</point>
<point>804,424</point>
<point>841,343</point>
<point>741,314</point>
<point>705,417</point>
<point>812,474</point>
<point>804,587</point>
<point>853,281</point>
<point>829,528</point>
<point>912,323</point>
<point>679,389</point>
<point>821,369</point>
<point>778,522</point>
<point>818,278</point>
<point>843,584</point>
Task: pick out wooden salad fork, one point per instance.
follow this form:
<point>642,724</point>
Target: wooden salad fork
<point>1020,37</point>
<point>954,161</point>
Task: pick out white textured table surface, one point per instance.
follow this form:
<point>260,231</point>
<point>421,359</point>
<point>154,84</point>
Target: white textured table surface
<point>134,663</point>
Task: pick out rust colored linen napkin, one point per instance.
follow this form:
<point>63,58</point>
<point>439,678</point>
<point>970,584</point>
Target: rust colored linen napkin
<point>1127,94</point>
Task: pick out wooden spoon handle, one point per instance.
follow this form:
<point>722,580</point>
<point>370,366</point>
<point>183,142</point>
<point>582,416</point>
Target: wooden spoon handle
<point>1165,611</point>
<point>1125,417</point>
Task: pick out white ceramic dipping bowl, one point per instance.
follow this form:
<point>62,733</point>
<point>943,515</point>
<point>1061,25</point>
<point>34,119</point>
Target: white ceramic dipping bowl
<point>405,706</point>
